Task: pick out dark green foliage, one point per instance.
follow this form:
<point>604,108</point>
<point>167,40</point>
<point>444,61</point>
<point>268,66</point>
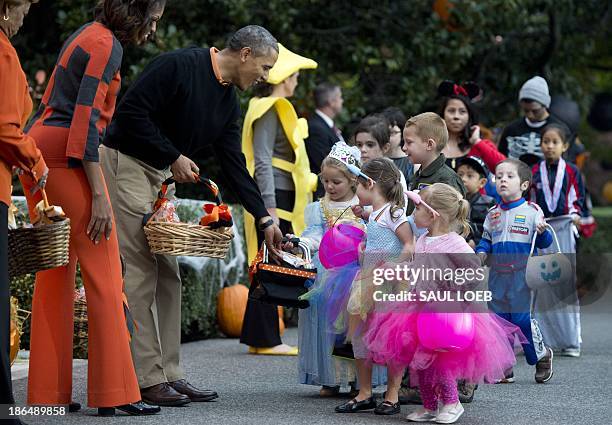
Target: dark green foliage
<point>382,53</point>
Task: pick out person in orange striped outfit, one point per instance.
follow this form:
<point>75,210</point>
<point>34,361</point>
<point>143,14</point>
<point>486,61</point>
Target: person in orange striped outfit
<point>75,110</point>
<point>16,150</point>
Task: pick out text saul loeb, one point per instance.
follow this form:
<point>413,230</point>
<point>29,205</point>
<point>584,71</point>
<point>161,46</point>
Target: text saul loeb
<point>433,296</point>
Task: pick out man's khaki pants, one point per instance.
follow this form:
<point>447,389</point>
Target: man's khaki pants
<point>152,282</point>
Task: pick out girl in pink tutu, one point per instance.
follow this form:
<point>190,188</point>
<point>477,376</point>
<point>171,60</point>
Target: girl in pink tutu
<point>400,336</point>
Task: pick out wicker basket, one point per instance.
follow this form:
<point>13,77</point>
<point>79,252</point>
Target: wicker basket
<point>32,249</point>
<point>188,239</point>
<point>79,342</point>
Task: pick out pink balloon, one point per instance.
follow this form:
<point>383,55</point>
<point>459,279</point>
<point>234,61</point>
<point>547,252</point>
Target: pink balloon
<point>445,331</point>
<point>340,245</point>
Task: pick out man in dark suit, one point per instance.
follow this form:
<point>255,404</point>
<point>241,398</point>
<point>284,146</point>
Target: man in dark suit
<point>322,133</point>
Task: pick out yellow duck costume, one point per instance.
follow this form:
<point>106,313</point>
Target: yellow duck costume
<point>296,130</point>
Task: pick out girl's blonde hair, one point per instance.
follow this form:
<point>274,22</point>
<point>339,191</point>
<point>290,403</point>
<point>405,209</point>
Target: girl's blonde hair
<point>333,162</point>
<point>450,204</point>
<point>388,179</point>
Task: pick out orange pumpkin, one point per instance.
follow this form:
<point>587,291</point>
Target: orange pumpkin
<point>231,305</point>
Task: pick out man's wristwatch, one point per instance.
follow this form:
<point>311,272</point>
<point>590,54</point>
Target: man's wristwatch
<point>265,224</point>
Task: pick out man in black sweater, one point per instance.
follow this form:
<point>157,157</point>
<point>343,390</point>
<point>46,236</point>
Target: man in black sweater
<point>183,101</point>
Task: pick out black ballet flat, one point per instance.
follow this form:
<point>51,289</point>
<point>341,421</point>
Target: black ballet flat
<point>140,408</point>
<point>353,405</point>
<point>74,407</point>
<point>387,408</point>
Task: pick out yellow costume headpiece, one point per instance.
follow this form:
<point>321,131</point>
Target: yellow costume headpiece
<point>287,64</point>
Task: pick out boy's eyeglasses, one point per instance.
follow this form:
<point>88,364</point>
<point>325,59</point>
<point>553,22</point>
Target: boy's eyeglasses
<point>417,200</point>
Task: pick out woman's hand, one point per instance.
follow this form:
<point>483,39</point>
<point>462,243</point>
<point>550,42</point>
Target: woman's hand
<point>101,222</point>
<point>475,137</point>
<point>42,181</point>
<point>40,184</point>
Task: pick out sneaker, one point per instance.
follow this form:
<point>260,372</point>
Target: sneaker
<point>409,395</point>
<point>449,413</point>
<point>466,391</point>
<point>570,352</point>
<point>544,369</point>
<point>422,415</point>
<point>508,378</point>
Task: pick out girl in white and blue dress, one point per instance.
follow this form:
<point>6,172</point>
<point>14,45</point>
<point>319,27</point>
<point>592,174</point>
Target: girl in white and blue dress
<point>388,238</point>
<point>316,340</point>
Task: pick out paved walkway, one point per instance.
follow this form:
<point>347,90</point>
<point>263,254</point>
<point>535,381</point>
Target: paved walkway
<point>263,390</point>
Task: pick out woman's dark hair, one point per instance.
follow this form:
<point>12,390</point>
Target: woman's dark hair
<point>127,19</point>
<point>377,125</point>
<point>263,89</point>
<point>464,136</point>
<point>388,178</point>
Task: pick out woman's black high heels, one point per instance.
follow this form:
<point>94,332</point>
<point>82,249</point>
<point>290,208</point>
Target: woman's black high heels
<point>140,408</point>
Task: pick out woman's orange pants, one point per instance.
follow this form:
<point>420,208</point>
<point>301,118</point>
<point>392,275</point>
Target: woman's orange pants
<point>111,376</point>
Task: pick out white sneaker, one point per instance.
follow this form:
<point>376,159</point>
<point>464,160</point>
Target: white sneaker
<point>422,415</point>
<point>449,413</point>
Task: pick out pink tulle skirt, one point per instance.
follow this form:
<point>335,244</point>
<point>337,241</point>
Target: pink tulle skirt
<point>392,340</point>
